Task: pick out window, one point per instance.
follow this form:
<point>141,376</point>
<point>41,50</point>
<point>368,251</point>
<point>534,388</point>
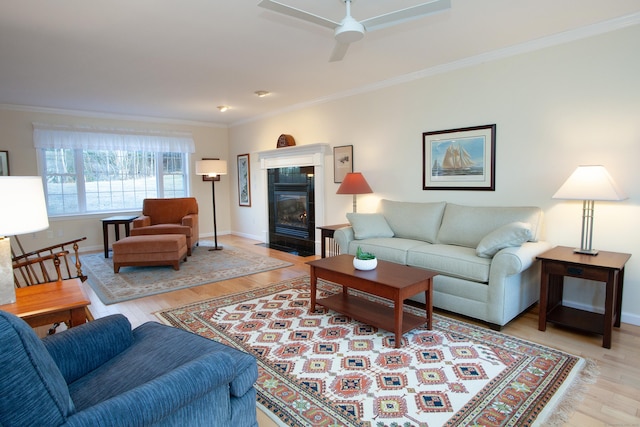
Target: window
<point>100,172</point>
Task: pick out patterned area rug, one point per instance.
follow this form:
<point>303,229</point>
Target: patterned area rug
<point>203,266</point>
<point>325,369</point>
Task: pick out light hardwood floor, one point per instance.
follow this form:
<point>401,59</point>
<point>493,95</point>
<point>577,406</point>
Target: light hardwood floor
<point>613,400</point>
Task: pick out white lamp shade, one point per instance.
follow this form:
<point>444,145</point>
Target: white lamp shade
<point>211,167</point>
<point>24,209</point>
<point>591,182</point>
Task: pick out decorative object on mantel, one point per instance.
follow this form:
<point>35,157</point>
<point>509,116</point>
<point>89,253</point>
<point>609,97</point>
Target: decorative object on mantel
<point>589,183</point>
<point>354,183</point>
<point>4,163</point>
<point>23,211</point>
<point>213,169</point>
<point>459,159</point>
<point>285,141</point>
<point>364,260</point>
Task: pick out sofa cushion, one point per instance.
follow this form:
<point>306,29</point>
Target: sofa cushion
<point>418,221</point>
<point>369,225</point>
<point>389,249</point>
<point>467,225</point>
<point>158,350</point>
<point>454,261</point>
<point>512,234</point>
<point>169,211</point>
<point>34,390</point>
<point>162,229</point>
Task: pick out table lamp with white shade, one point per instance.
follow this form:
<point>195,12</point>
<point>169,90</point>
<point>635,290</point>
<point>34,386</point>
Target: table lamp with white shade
<point>589,183</point>
<point>23,210</point>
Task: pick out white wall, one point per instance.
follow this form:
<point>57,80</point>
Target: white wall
<point>556,108</point>
<point>16,132</point>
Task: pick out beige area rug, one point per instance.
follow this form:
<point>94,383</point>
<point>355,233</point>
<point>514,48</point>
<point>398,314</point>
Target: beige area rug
<point>326,369</point>
<point>202,267</point>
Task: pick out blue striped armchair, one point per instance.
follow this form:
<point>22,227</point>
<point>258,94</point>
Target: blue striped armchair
<point>103,373</point>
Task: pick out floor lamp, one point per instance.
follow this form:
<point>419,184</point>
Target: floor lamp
<point>212,169</point>
<point>589,183</point>
<point>354,183</point>
<point>23,211</point>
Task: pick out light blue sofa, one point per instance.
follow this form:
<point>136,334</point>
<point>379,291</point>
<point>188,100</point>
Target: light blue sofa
<point>103,373</point>
<point>485,256</point>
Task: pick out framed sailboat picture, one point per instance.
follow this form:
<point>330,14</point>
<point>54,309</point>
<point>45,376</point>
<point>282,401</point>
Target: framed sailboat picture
<point>459,159</point>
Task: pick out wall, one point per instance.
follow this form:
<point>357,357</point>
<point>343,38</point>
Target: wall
<point>17,137</point>
<point>555,108</point>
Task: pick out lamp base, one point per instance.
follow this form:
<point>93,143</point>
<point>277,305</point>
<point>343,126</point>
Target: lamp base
<point>7,286</point>
<point>586,251</point>
<point>216,248</point>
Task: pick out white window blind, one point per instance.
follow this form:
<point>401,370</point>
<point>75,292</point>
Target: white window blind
<point>94,138</point>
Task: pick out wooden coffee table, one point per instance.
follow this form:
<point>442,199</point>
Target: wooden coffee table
<point>388,280</point>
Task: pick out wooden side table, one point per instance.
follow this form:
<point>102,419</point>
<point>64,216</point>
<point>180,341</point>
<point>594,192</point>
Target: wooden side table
<point>115,221</point>
<point>49,303</point>
<point>561,262</point>
<point>326,232</point>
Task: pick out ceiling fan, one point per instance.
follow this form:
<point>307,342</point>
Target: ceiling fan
<point>349,30</point>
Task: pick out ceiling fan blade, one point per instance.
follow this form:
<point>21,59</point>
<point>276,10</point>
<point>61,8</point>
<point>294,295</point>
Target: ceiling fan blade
<point>339,51</point>
<point>297,13</point>
<point>404,15</point>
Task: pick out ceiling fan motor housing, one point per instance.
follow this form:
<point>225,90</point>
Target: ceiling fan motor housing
<point>349,31</point>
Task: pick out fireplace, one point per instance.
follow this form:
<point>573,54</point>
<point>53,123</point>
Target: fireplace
<point>291,209</point>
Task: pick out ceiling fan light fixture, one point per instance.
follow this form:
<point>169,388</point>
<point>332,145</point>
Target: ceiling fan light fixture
<point>223,108</point>
<point>261,93</point>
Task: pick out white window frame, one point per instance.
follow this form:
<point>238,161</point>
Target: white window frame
<point>81,139</point>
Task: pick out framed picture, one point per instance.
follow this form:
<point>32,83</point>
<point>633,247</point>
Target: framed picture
<point>4,163</point>
<point>459,159</point>
<point>244,180</point>
<point>342,162</point>
<point>210,178</point>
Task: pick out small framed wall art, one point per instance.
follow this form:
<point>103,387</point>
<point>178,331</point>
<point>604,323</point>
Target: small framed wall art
<point>342,162</point>
<point>244,180</point>
<point>459,159</point>
<point>4,163</point>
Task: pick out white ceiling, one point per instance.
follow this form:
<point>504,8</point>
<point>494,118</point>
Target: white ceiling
<point>179,59</point>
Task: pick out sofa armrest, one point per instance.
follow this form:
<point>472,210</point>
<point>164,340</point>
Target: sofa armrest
<point>158,399</point>
<point>344,236</point>
<point>142,221</point>
<point>82,349</point>
<point>514,260</point>
<point>190,220</point>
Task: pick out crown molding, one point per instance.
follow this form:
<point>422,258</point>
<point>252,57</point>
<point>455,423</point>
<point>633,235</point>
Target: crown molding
<point>109,116</point>
<point>527,47</point>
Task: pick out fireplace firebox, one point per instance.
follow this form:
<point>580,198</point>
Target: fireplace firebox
<point>291,210</point>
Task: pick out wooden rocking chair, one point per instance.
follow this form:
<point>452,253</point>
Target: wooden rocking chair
<point>48,264</point>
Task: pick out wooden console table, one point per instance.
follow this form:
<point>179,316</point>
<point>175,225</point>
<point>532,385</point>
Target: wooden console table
<point>607,267</point>
<point>49,303</point>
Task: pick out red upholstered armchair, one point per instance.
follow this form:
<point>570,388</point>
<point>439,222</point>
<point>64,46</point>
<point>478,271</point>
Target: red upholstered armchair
<point>169,216</point>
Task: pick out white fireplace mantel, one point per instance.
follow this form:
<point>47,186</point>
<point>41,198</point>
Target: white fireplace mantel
<point>299,155</point>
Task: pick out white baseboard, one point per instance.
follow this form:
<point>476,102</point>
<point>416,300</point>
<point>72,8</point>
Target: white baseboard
<point>631,319</point>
